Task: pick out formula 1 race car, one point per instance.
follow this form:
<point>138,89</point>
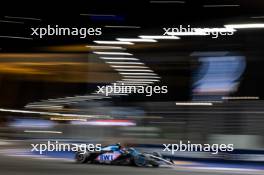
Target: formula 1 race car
<point>115,155</point>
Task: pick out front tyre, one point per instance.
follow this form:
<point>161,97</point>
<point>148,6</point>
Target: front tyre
<point>81,157</point>
<point>139,161</point>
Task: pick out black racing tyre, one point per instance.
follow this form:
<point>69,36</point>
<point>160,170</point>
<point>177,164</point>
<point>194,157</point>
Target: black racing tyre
<point>139,161</point>
<point>81,157</point>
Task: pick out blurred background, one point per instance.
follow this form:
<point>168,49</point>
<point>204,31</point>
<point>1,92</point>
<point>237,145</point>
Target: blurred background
<point>215,85</point>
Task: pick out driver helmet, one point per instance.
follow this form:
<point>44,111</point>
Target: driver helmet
<point>119,145</point>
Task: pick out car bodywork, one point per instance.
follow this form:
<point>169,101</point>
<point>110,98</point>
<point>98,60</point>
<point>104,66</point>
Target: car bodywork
<point>113,155</point>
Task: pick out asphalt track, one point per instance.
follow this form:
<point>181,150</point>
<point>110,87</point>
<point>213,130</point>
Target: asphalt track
<point>31,166</point>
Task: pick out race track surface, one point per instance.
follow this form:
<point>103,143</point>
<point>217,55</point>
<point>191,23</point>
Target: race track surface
<point>31,166</point>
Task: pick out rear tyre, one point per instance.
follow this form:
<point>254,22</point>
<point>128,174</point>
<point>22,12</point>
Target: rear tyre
<point>81,157</point>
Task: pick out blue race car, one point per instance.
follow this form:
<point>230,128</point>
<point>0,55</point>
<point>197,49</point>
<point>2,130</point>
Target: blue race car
<point>116,155</point>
